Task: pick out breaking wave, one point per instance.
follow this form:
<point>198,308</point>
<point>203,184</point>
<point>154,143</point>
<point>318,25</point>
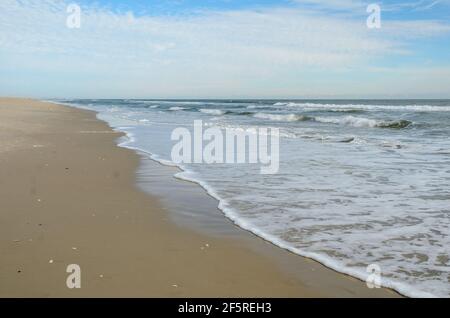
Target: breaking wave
<point>277,117</point>
<point>415,108</point>
<point>347,120</point>
<point>217,112</point>
<point>364,122</point>
<point>176,108</point>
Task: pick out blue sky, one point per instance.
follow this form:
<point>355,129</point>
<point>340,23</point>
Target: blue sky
<point>225,49</point>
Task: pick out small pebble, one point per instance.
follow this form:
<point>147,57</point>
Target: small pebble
<point>50,261</point>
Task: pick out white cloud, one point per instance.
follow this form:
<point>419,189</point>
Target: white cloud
<point>418,5</point>
<point>204,54</point>
<point>336,4</point>
<point>361,5</point>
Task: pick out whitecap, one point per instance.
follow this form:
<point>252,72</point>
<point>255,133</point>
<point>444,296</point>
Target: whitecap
<point>208,111</point>
<point>281,117</point>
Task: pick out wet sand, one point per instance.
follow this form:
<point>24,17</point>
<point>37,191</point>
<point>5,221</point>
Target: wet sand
<point>69,196</point>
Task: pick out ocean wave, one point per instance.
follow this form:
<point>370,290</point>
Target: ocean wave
<point>242,113</point>
<point>338,110</point>
<point>278,117</point>
<point>217,112</point>
<point>398,124</point>
<point>364,122</point>
<point>174,102</point>
<point>347,120</point>
<point>350,107</point>
<point>258,106</point>
<point>177,108</point>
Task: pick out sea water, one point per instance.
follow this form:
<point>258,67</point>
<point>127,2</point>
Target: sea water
<point>360,182</point>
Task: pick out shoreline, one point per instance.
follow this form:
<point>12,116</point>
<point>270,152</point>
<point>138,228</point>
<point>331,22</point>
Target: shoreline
<point>122,252</point>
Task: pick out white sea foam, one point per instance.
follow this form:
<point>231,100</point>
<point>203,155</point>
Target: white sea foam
<point>177,108</point>
<point>177,102</point>
<point>247,224</point>
<point>349,120</point>
<point>280,117</point>
<point>415,108</point>
<point>257,106</point>
<point>363,122</point>
<point>209,111</point>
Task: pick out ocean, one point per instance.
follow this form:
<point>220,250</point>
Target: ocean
<point>360,182</point>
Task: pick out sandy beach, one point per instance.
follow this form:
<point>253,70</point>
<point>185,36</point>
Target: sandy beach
<point>69,195</point>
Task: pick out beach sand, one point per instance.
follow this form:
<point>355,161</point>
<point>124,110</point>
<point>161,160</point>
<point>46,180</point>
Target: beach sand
<point>69,196</point>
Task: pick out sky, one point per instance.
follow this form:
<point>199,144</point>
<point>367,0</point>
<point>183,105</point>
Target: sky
<point>225,49</point>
